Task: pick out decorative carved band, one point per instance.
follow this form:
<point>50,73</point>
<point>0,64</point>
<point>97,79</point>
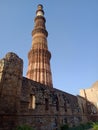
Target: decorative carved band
<point>39,70</point>
<point>40,30</point>
<point>40,17</point>
<point>42,52</point>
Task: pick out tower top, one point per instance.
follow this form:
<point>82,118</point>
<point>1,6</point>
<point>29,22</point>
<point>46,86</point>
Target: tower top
<point>40,6</point>
<point>40,11</point>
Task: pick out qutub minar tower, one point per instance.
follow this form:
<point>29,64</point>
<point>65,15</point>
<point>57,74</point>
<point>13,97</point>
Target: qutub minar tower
<point>33,101</point>
<point>39,57</point>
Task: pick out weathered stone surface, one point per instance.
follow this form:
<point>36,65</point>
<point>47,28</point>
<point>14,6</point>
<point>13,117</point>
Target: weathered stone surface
<point>61,108</point>
<point>91,95</point>
<point>11,68</point>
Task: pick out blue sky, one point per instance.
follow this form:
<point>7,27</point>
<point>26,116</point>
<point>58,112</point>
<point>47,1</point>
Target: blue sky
<point>73,38</point>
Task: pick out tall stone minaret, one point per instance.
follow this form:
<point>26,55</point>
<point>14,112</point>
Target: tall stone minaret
<point>39,57</point>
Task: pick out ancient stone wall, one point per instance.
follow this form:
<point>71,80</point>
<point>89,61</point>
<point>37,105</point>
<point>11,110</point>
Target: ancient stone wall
<point>91,96</point>
<point>84,112</point>
<point>45,108</point>
<point>24,101</point>
<point>10,89</point>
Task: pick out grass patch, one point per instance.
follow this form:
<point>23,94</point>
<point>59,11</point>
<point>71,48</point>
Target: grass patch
<point>24,127</point>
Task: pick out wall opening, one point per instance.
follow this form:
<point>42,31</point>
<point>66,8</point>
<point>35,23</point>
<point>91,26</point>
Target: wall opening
<point>57,104</point>
<point>65,106</point>
<point>32,102</point>
<point>46,104</point>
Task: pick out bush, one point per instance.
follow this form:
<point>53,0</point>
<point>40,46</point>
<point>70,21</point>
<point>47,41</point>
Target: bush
<point>24,127</point>
<point>95,126</point>
<point>64,127</point>
<point>88,125</point>
<point>82,126</point>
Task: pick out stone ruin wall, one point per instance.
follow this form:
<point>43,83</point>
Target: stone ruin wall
<point>52,107</point>
<point>61,107</point>
<point>10,89</point>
